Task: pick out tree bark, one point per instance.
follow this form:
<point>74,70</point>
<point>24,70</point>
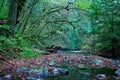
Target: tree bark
<point>12,15</point>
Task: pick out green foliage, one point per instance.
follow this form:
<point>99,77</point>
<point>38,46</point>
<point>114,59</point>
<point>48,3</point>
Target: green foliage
<point>83,4</point>
<point>105,26</point>
<point>66,23</point>
<point>28,54</point>
<point>4,9</point>
<point>46,22</point>
<point>4,26</point>
<point>16,47</point>
<point>7,42</point>
<point>4,30</point>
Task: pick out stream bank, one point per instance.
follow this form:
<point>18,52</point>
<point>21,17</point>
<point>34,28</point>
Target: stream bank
<point>60,66</point>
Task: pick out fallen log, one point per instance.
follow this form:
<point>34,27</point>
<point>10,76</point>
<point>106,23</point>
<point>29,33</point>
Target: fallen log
<point>52,49</point>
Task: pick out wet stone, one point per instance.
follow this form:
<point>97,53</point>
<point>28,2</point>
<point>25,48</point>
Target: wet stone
<point>21,69</point>
<point>33,78</point>
<point>86,57</point>
<point>117,73</point>
<point>44,62</point>
<point>90,63</point>
<point>42,73</point>
<point>65,57</point>
<point>101,77</point>
<point>117,63</point>
<point>60,71</point>
<point>8,77</point>
<point>32,72</point>
<point>52,63</point>
<point>30,62</point>
<point>98,62</point>
<point>66,61</point>
<point>56,72</point>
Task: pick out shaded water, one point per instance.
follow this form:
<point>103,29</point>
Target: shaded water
<point>84,74</point>
<point>81,73</point>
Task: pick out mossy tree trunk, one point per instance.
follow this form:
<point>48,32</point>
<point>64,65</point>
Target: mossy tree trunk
<point>12,15</point>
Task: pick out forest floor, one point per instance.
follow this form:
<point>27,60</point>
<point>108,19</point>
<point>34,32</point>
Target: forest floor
<point>56,59</point>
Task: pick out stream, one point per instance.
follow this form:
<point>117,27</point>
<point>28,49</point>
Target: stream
<point>85,74</point>
<point>63,66</point>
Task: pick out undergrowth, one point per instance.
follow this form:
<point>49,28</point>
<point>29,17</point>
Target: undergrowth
<point>16,47</point>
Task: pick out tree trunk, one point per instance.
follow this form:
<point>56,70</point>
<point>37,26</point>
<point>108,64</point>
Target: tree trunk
<point>12,15</point>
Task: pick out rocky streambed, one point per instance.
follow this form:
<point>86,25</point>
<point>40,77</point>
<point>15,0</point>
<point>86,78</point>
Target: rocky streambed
<point>61,66</point>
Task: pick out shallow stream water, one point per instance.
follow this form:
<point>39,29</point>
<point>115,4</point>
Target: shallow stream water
<point>85,74</point>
